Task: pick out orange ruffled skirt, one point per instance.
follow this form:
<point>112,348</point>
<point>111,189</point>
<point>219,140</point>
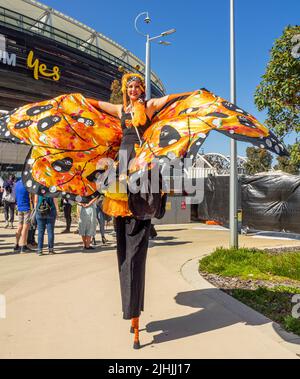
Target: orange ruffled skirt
<point>115,207</point>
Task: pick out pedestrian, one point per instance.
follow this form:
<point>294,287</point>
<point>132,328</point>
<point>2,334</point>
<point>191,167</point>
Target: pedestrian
<point>9,201</point>
<point>24,211</point>
<point>1,194</point>
<point>66,205</point>
<point>101,220</point>
<point>46,212</point>
<point>87,223</point>
<point>78,207</point>
<point>31,232</point>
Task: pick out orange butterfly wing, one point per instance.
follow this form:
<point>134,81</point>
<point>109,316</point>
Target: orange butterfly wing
<point>69,138</point>
<point>181,126</point>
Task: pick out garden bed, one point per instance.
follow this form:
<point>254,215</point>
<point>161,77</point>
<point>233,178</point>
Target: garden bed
<point>265,280</point>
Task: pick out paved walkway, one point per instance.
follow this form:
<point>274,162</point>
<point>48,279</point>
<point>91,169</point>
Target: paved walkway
<point>68,305</point>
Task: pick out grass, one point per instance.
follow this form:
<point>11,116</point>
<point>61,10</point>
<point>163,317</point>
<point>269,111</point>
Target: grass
<point>276,302</point>
<point>251,263</point>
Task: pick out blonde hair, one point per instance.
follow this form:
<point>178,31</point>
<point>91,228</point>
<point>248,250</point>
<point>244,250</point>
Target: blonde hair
<point>139,110</point>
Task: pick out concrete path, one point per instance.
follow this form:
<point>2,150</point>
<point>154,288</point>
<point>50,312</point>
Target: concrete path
<point>68,305</point>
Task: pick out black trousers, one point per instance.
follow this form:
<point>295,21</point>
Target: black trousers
<point>67,214</point>
<point>9,211</point>
<point>132,246</point>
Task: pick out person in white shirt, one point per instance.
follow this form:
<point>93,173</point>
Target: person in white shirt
<point>9,201</point>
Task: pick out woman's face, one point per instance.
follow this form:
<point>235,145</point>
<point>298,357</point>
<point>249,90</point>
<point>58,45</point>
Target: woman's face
<point>134,90</point>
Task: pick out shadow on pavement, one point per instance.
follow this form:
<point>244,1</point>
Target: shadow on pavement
<point>153,243</point>
<point>169,230</point>
<point>210,315</point>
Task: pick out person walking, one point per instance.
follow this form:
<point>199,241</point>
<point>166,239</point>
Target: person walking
<point>46,212</point>
<point>101,221</point>
<point>24,211</point>
<point>32,228</point>
<point>9,201</point>
<point>87,223</point>
<point>66,204</point>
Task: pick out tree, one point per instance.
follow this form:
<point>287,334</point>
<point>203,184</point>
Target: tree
<point>290,164</point>
<point>279,91</point>
<point>259,160</point>
<point>116,96</point>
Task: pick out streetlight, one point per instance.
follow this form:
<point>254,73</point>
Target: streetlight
<point>233,221</point>
<point>148,40</point>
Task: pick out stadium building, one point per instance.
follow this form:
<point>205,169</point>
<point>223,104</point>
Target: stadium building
<point>44,53</point>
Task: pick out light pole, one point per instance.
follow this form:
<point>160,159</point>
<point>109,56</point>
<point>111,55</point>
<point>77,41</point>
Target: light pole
<point>233,222</point>
<point>147,58</point>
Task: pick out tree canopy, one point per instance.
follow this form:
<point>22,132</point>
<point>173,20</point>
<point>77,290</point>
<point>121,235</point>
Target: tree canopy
<point>259,160</point>
<point>279,91</point>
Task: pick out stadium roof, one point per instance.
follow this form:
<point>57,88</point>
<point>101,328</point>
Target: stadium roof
<point>44,14</point>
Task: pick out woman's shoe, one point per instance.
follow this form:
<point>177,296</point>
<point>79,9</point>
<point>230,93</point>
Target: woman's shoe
<point>51,251</point>
<point>104,240</point>
<point>40,253</point>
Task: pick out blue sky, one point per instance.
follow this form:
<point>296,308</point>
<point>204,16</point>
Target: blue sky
<point>199,54</point>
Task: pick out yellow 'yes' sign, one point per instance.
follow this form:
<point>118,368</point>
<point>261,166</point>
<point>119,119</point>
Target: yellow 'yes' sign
<point>41,68</point>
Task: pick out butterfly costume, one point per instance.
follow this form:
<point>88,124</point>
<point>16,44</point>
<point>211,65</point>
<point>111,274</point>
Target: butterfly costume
<point>69,135</point>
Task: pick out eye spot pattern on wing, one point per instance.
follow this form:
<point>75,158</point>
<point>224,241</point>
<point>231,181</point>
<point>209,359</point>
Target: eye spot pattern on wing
<point>272,144</point>
<point>3,126</point>
<point>194,148</point>
<point>4,120</point>
<point>246,121</point>
<point>62,165</point>
<point>233,107</point>
<point>23,124</point>
<point>34,111</point>
<point>95,175</point>
<point>168,136</point>
<point>83,120</point>
<point>188,110</point>
<point>47,122</point>
<point>217,114</point>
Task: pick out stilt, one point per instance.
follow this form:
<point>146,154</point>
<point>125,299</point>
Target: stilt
<point>135,329</point>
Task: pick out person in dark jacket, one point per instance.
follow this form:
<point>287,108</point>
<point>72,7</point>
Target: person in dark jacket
<point>46,212</point>
<point>67,208</point>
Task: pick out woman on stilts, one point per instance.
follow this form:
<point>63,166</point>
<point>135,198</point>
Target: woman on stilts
<point>132,231</point>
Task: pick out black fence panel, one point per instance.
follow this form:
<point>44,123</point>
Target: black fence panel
<point>215,204</point>
<point>271,202</point>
